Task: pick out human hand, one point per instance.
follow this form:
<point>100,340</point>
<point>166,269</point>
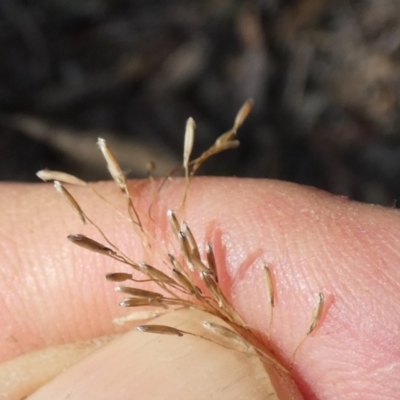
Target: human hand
<point>53,292</point>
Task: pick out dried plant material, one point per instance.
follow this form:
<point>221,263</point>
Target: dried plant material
<point>201,267</point>
<point>150,167</point>
<point>160,330</point>
<point>212,265</point>
<point>179,282</point>
<point>243,113</point>
<point>70,200</point>
<point>112,164</point>
<point>224,142</point>
<point>156,274</point>
<point>136,292</point>
<point>91,244</point>
<point>188,143</point>
<point>118,277</point>
<point>317,314</point>
<point>176,264</point>
<point>173,221</point>
<point>48,175</point>
<point>185,246</point>
<point>213,287</point>
<point>184,281</point>
<point>226,333</point>
<point>315,320</point>
<point>194,250</point>
<point>270,285</point>
<point>141,302</point>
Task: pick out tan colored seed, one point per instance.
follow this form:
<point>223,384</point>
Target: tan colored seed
<point>213,287</point>
<point>184,281</point>
<point>225,332</point>
<point>270,284</point>
<point>112,164</point>
<point>185,246</point>
<point>176,264</point>
<point>118,277</point>
<point>173,221</point>
<point>201,267</point>
<point>70,200</point>
<point>140,302</point>
<point>243,113</point>
<point>188,142</point>
<point>91,244</point>
<point>212,265</point>
<point>150,167</point>
<point>155,274</point>
<point>160,329</point>
<point>317,314</point>
<point>138,292</point>
<point>48,175</point>
<point>194,250</point>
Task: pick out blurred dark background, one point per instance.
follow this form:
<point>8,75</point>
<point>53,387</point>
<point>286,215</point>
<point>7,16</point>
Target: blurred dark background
<point>324,75</point>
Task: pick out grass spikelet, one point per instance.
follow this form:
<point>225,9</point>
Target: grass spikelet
<point>160,330</point>
<point>70,200</point>
<point>315,321</point>
<point>141,302</point>
<point>212,265</point>
<point>90,244</point>
<point>243,113</point>
<point>317,314</point>
<point>173,221</point>
<point>226,333</point>
<point>185,280</point>
<point>156,274</point>
<point>48,175</point>
<point>112,165</point>
<point>118,277</point>
<point>188,144</point>
<point>270,285</point>
<point>194,250</point>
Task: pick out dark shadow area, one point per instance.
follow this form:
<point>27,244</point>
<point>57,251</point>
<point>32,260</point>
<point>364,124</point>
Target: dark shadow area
<point>324,77</point>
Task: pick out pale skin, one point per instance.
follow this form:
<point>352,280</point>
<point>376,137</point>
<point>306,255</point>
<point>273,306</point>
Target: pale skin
<point>53,292</point>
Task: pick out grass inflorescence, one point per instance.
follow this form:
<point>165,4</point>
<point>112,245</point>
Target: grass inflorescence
<point>179,286</point>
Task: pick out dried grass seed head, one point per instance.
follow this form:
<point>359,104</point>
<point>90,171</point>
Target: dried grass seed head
<point>160,330</point>
<point>243,113</point>
<point>70,200</point>
<point>185,246</point>
<point>213,287</point>
<point>90,244</point>
<point>173,221</point>
<point>118,277</point>
<point>270,285</point>
<point>155,274</point>
<point>317,314</point>
<point>48,175</point>
<point>141,302</point>
<point>225,332</point>
<point>185,282</point>
<point>212,265</point>
<point>112,165</point>
<point>194,250</point>
<point>188,141</point>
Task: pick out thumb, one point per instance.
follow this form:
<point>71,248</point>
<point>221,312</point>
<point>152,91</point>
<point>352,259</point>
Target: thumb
<point>158,367</point>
